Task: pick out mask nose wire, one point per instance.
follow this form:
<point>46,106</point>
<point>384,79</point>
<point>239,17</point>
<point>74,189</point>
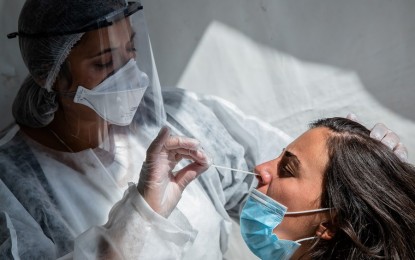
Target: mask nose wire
<point>72,94</point>
<point>123,66</point>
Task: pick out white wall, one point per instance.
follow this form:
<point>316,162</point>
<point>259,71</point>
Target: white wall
<point>12,70</point>
<point>285,61</point>
<point>290,62</point>
<point>375,38</point>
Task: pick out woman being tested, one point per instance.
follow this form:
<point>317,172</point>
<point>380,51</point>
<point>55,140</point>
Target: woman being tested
<point>86,115</point>
<point>333,193</point>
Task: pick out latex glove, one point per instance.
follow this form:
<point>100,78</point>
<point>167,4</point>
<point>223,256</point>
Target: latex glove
<point>386,136</point>
<point>157,184</point>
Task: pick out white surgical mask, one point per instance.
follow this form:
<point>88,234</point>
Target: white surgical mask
<point>116,99</point>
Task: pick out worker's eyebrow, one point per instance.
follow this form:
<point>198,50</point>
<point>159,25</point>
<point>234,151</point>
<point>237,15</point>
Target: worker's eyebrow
<point>103,52</point>
<point>112,49</point>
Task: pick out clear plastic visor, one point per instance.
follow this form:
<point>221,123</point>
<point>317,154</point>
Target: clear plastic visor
<point>109,81</point>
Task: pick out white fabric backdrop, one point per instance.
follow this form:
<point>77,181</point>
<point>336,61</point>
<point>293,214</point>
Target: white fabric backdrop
<point>281,89</point>
<point>291,62</point>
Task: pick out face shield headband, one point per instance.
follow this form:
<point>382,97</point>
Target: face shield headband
<point>102,22</point>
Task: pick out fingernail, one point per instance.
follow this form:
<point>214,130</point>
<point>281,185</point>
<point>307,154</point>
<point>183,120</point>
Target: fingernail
<point>389,144</point>
<point>376,136</point>
<point>209,161</point>
<point>165,129</point>
<point>403,156</point>
<point>352,116</point>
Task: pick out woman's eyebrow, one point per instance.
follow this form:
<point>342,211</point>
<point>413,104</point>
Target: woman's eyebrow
<point>292,157</point>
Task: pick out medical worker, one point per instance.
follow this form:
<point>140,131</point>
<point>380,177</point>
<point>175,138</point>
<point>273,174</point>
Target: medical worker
<point>87,173</point>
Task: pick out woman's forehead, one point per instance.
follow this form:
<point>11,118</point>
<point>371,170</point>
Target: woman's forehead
<point>311,148</point>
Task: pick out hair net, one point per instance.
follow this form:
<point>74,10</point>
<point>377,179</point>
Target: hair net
<point>34,106</point>
<point>45,55</point>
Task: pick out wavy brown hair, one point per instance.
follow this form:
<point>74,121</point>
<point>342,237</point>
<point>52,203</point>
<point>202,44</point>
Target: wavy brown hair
<point>372,194</point>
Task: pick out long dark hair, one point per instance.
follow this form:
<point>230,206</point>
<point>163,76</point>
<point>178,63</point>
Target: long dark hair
<point>372,193</point>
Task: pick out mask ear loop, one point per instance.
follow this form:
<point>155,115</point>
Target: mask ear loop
<point>304,239</point>
<point>306,212</point>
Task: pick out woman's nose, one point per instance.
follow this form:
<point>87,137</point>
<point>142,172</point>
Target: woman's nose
<point>264,176</point>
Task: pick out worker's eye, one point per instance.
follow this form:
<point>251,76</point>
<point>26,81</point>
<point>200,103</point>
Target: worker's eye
<point>101,65</point>
<point>131,47</point>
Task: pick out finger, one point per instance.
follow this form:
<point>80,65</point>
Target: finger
<point>196,155</point>
<point>401,151</point>
<point>209,157</point>
<point>171,155</point>
<point>178,157</point>
<point>391,140</point>
<point>175,142</point>
<point>175,157</point>
<point>158,143</point>
<point>189,173</point>
<point>379,131</point>
<point>352,117</point>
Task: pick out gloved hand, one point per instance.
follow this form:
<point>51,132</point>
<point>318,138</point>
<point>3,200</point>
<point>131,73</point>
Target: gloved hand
<point>157,184</point>
<point>388,137</point>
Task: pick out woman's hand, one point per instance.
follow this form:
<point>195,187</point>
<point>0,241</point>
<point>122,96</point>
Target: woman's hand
<point>159,186</point>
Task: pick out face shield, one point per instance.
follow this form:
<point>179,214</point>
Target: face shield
<point>91,104</point>
<point>100,74</point>
<point>113,73</point>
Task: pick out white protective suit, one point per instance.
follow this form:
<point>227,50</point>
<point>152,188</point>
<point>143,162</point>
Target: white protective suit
<point>84,203</point>
<point>56,204</point>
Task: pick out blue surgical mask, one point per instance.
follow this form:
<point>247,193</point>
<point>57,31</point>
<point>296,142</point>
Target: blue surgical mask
<point>259,217</point>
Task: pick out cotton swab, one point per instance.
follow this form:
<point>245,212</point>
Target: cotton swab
<point>237,170</point>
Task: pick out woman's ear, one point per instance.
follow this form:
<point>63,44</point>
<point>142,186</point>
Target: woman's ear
<point>326,230</point>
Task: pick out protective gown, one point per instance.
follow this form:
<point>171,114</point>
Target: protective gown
<point>72,205</point>
<point>85,204</point>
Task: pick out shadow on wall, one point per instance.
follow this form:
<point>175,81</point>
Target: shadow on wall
<point>373,38</point>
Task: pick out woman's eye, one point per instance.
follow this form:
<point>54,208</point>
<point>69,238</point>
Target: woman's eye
<point>285,171</point>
